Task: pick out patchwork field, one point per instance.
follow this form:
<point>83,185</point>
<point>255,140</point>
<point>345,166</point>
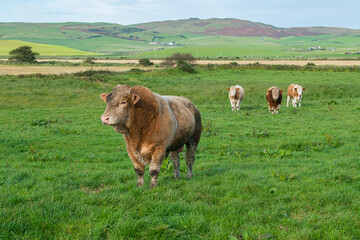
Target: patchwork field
<point>44,49</point>
<point>295,175</point>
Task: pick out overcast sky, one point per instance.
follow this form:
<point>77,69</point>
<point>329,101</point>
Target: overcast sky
<point>280,13</point>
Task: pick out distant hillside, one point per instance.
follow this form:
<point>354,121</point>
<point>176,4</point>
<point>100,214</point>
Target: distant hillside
<point>236,27</point>
<point>202,37</point>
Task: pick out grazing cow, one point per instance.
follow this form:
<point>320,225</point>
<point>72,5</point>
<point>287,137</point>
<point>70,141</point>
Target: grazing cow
<point>274,97</point>
<point>295,92</point>
<point>236,95</point>
<point>153,127</point>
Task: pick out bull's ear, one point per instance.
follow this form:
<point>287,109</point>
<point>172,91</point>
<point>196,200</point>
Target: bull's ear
<point>228,89</point>
<point>304,89</point>
<point>281,91</point>
<point>135,98</point>
<point>103,96</point>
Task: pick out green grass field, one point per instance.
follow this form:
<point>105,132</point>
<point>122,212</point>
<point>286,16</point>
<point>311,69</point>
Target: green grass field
<point>43,49</point>
<point>294,175</point>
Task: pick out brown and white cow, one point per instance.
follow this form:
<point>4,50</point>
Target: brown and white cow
<point>274,97</point>
<point>153,126</point>
<point>236,95</point>
<point>295,92</point>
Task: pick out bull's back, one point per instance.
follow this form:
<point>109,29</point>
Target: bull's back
<point>242,93</point>
<point>290,91</point>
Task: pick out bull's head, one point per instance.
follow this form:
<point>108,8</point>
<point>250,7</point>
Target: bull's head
<point>299,89</point>
<point>275,92</point>
<point>119,105</point>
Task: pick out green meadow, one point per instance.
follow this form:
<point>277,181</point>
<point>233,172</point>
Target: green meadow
<point>43,49</point>
<point>294,175</point>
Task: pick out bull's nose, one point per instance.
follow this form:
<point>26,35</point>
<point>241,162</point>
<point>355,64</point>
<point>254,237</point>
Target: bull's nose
<point>105,119</point>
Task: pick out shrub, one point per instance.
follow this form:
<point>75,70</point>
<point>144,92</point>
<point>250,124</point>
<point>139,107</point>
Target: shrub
<point>176,57</point>
<point>145,62</point>
<point>23,54</point>
<point>310,64</point>
<point>89,60</point>
<point>167,63</point>
<point>185,67</point>
<point>136,70</point>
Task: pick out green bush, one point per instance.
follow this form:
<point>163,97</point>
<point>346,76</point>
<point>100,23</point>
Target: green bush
<point>145,62</point>
<point>89,60</point>
<point>185,67</point>
<point>23,54</point>
<point>176,57</point>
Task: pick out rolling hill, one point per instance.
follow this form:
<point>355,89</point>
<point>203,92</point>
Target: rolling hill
<point>201,37</point>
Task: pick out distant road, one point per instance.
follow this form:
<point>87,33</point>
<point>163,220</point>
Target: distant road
<point>22,69</point>
<point>273,62</point>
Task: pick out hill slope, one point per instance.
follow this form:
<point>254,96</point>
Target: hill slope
<point>254,39</point>
<point>237,27</point>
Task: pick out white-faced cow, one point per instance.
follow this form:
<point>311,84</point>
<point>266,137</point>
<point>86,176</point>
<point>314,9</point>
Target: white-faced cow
<point>153,126</point>
<point>236,95</point>
<point>295,93</point>
<point>274,97</point>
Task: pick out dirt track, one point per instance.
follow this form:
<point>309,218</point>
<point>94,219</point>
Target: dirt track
<point>16,70</point>
<point>275,62</point>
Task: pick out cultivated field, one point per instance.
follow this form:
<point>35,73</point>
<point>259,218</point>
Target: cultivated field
<point>295,175</point>
<point>44,49</point>
<point>127,64</point>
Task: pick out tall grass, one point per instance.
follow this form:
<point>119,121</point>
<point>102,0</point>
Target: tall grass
<point>64,175</point>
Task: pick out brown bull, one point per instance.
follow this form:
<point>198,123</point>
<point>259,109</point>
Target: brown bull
<point>274,97</point>
<point>153,126</point>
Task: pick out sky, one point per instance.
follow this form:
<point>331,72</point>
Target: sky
<point>279,13</point>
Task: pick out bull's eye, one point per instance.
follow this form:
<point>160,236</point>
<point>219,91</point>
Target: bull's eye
<point>122,103</point>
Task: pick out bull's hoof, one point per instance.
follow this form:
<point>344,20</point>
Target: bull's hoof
<point>189,175</point>
<point>177,175</point>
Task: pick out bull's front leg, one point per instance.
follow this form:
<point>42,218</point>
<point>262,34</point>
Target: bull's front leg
<point>288,100</point>
<point>155,165</point>
<point>233,104</point>
<point>294,102</point>
<point>139,169</point>
<point>140,175</point>
<point>238,105</point>
<point>300,101</point>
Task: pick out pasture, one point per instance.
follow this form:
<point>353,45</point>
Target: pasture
<point>44,49</point>
<point>294,175</point>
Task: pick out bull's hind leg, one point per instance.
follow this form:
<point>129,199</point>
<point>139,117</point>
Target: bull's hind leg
<point>176,163</point>
<point>190,157</point>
